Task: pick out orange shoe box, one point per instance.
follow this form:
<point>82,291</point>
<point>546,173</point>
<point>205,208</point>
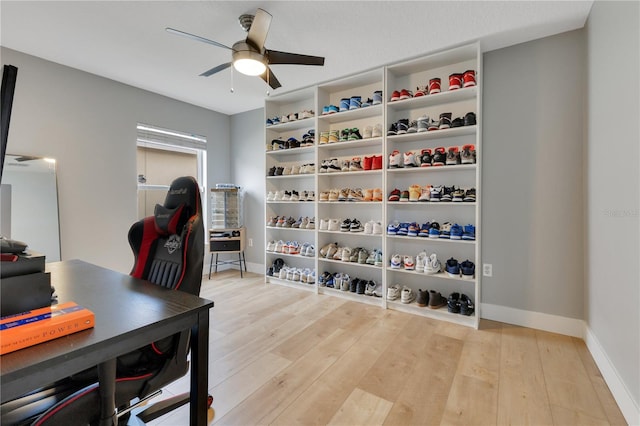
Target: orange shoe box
<point>41,325</point>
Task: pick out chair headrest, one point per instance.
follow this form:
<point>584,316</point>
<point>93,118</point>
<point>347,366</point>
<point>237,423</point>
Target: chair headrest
<point>181,203</point>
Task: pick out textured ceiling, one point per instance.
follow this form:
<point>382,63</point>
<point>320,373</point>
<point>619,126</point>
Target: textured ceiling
<point>126,41</point>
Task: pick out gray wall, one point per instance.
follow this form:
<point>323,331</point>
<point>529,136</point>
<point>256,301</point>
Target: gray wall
<point>247,165</point>
<point>88,124</point>
<point>532,175</point>
<point>613,205</point>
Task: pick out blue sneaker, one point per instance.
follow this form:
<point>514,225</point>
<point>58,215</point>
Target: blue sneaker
<point>355,102</point>
<point>434,230</point>
<point>456,232</point>
<point>269,122</point>
<point>424,230</point>
<point>344,104</point>
<point>468,269</point>
<point>377,97</point>
<point>325,110</point>
<point>413,230</point>
<point>392,229</point>
<point>333,109</point>
<point>404,228</point>
<point>469,232</point>
<point>275,120</point>
<point>453,268</point>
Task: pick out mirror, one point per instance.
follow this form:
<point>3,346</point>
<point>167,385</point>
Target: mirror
<point>29,203</point>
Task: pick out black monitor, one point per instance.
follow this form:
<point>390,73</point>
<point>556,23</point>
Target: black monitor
<point>9,75</point>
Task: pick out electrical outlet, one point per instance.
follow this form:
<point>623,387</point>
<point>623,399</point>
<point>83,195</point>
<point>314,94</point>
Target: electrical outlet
<point>487,269</point>
<point>250,242</point>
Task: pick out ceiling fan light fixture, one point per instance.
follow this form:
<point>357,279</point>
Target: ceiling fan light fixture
<point>247,60</point>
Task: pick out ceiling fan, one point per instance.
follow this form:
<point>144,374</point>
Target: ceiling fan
<point>249,56</point>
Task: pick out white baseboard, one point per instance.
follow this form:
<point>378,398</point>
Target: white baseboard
<point>576,328</point>
<point>628,406</point>
<point>540,321</point>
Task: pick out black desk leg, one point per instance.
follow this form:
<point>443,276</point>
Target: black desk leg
<point>210,265</point>
<point>199,370</point>
<point>240,262</point>
<point>107,380</point>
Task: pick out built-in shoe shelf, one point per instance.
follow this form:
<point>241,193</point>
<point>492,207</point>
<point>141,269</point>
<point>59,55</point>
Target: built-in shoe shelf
<point>402,75</point>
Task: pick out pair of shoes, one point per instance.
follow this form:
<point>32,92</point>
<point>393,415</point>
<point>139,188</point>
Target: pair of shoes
<point>352,134</point>
<point>402,126</point>
<point>466,269</point>
<point>460,304</point>
<point>347,104</point>
<point>329,109</point>
<point>466,79</point>
<point>373,228</point>
<point>351,225</point>
<point>401,95</point>
<point>372,131</point>
<point>372,163</point>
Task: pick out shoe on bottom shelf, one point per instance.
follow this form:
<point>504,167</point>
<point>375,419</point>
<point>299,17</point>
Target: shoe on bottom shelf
<point>453,303</point>
<point>393,292</point>
<point>407,295</point>
<point>423,298</point>
<point>436,300</point>
<point>466,305</point>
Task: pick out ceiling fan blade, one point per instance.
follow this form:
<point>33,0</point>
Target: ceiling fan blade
<point>259,29</point>
<point>214,70</point>
<point>270,79</point>
<point>197,38</point>
<point>274,57</point>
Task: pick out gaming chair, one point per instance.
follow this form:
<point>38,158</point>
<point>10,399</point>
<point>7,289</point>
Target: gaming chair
<point>169,250</point>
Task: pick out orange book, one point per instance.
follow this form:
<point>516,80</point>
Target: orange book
<point>41,325</point>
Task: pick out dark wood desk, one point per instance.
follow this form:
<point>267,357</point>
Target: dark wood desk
<point>129,313</point>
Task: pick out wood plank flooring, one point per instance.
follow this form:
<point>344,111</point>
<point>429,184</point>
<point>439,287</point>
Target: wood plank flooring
<point>286,357</point>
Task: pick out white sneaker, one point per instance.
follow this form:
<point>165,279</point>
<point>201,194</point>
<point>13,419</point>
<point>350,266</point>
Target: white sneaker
<point>396,261</point>
<point>311,251</point>
<point>393,292</point>
<point>311,196</point>
<point>395,159</point>
<point>277,196</point>
<point>377,131</point>
<point>283,273</point>
<point>334,224</point>
<point>409,159</point>
<point>421,261</point>
<point>312,223</point>
<point>279,247</point>
<point>409,264</point>
<point>432,265</point>
<point>270,196</point>
<point>271,245</point>
<point>367,132</point>
<point>324,224</point>
<point>346,254</point>
<point>408,295</point>
<point>311,278</point>
<point>377,291</point>
<point>377,228</point>
<point>368,227</point>
<point>345,283</point>
<point>296,170</point>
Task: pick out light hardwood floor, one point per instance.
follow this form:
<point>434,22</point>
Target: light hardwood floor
<point>289,357</point>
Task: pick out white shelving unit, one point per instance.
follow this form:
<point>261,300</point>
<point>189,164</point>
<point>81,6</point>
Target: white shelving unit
<point>404,75</point>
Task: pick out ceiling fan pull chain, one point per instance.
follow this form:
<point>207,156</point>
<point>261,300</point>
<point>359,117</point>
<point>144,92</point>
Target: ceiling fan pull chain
<point>231,79</point>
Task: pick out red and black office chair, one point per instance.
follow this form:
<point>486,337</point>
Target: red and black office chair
<point>169,251</point>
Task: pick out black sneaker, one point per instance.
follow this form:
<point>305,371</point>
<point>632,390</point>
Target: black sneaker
<point>447,193</point>
<point>445,121</point>
<point>413,126</point>
<point>393,129</point>
<point>362,286</point>
<point>453,303</point>
<point>403,126</point>
<point>346,225</point>
<point>470,195</point>
<point>466,305</point>
<point>439,157</point>
<point>270,271</point>
<point>470,119</point>
<point>279,171</point>
<point>272,171</point>
<point>355,283</point>
<point>423,298</point>
<point>457,122</point>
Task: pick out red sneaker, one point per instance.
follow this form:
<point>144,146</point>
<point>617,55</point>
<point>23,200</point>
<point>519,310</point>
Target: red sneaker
<point>455,81</point>
<point>434,86</point>
<point>395,96</point>
<point>405,94</point>
<point>367,162</point>
<point>376,164</point>
<point>469,78</point>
